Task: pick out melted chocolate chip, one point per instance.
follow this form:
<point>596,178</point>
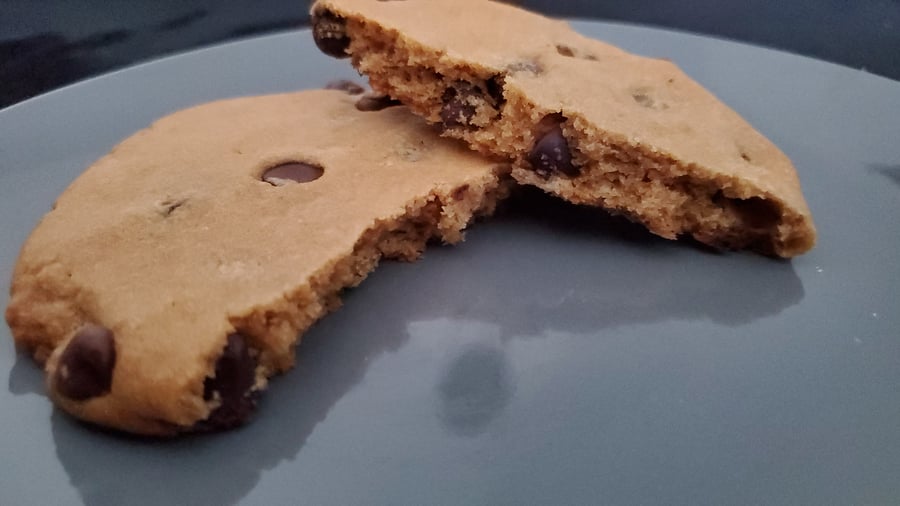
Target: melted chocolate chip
<point>344,85</point>
<point>330,34</point>
<point>371,102</point>
<point>459,106</point>
<point>551,154</point>
<point>461,101</point>
<point>85,368</point>
<point>235,376</point>
<point>292,172</point>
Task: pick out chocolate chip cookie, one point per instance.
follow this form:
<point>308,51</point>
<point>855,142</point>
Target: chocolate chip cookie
<point>577,117</point>
<point>174,276</point>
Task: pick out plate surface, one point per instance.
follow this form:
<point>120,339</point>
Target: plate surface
<point>555,357</point>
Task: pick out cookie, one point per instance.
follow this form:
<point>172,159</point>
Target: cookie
<point>174,276</point>
<point>578,118</point>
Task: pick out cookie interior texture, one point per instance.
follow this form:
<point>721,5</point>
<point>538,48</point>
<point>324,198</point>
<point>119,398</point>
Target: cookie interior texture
<point>175,275</point>
<point>643,139</point>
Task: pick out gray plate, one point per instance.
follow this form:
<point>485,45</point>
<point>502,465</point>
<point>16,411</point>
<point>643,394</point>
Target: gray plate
<point>556,357</point>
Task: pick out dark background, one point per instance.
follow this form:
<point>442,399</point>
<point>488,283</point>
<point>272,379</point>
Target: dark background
<point>45,44</point>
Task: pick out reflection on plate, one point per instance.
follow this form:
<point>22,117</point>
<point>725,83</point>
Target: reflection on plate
<point>557,356</point>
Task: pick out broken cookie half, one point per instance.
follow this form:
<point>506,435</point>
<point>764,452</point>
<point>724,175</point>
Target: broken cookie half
<point>577,117</point>
<point>174,276</point>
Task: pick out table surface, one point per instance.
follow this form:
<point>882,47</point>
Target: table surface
<point>48,44</point>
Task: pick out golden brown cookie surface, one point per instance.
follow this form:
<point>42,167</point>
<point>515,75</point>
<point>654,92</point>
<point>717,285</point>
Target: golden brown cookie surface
<point>173,277</point>
<point>579,118</point>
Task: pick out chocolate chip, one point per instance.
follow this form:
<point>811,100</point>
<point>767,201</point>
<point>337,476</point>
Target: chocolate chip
<point>459,106</point>
<point>86,366</point>
<point>345,85</point>
<point>371,102</point>
<point>235,376</point>
<point>565,50</point>
<point>569,52</point>
<point>461,101</point>
<point>330,34</point>
<point>292,172</point>
<point>551,154</point>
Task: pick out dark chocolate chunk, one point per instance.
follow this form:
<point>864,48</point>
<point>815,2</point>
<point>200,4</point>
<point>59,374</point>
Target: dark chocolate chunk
<point>459,106</point>
<point>551,154</point>
<point>296,172</point>
<point>371,102</point>
<point>235,376</point>
<point>85,368</point>
<point>345,85</point>
<point>330,34</point>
